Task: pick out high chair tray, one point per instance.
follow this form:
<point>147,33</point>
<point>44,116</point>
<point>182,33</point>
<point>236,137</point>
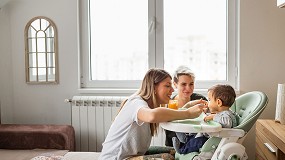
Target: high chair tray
<point>192,125</point>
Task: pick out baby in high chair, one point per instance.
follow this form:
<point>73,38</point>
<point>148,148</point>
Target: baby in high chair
<point>221,97</point>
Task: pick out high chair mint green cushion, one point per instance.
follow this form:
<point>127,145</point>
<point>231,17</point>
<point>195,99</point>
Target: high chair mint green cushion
<point>248,108</point>
<point>188,156</point>
<point>211,144</point>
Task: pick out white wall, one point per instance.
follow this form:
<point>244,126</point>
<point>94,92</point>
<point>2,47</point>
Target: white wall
<point>38,103</point>
<point>6,68</point>
<point>262,38</point>
<point>262,54</point>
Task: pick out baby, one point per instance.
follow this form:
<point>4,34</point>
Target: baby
<point>221,97</point>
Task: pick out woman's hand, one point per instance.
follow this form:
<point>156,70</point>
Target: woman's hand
<point>194,102</point>
<point>196,110</point>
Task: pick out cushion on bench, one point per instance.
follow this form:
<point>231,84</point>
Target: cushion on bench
<point>18,136</point>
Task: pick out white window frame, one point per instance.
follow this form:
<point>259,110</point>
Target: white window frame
<point>155,60</point>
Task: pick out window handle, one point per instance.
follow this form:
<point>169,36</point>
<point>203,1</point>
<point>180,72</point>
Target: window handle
<point>151,26</point>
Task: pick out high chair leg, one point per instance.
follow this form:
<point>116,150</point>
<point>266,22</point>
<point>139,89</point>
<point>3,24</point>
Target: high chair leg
<point>223,142</point>
<point>232,151</point>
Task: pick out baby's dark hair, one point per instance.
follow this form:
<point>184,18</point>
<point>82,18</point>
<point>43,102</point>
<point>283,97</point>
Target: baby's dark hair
<point>225,93</point>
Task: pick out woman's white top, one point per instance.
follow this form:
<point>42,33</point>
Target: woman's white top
<point>127,135</point>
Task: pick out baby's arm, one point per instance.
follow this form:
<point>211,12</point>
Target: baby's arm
<point>224,119</point>
<point>209,117</point>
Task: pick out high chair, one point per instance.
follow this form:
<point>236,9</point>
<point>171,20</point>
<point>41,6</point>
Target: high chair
<point>225,143</point>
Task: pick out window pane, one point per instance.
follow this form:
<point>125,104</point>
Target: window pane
<point>32,60</point>
<point>50,44</point>
<point>42,74</point>
<point>119,39</point>
<point>36,24</point>
<point>51,74</point>
<point>195,34</point>
<point>32,32</point>
<point>41,44</point>
<point>50,31</point>
<point>32,45</point>
<point>42,60</point>
<point>32,74</point>
<point>44,24</point>
<point>50,60</point>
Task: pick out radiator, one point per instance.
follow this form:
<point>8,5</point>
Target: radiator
<point>92,117</point>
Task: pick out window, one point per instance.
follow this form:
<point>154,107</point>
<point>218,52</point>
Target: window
<point>121,40</point>
<point>41,51</point>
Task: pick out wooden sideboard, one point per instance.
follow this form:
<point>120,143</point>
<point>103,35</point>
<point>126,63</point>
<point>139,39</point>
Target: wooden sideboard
<point>270,140</point>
